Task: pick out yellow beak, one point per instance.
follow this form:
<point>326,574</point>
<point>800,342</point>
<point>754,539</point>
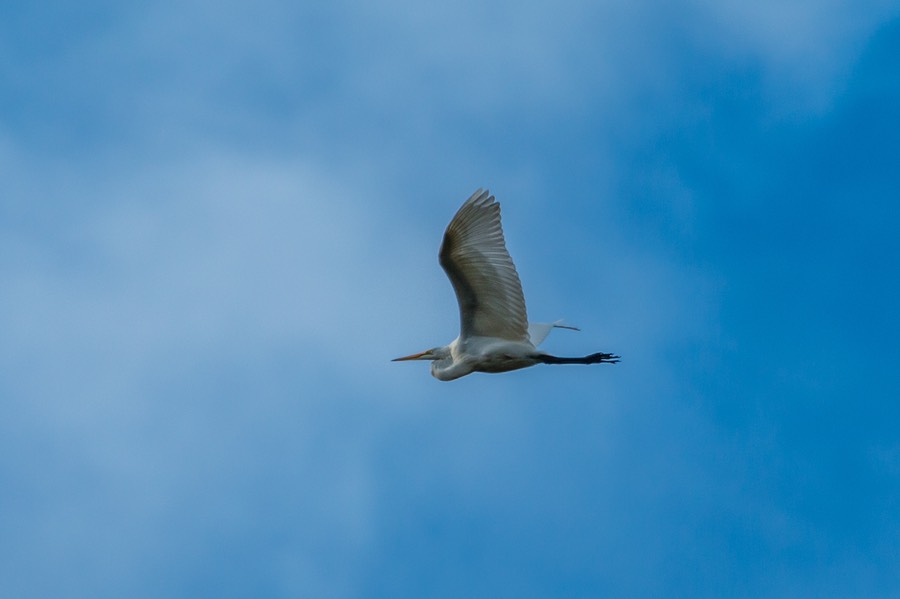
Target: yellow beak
<point>419,356</point>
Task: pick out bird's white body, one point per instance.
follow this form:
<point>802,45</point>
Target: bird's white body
<point>483,354</point>
<point>495,335</point>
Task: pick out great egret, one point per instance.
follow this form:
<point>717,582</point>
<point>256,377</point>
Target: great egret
<point>495,335</point>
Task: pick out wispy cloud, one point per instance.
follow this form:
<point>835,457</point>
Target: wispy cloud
<point>219,222</point>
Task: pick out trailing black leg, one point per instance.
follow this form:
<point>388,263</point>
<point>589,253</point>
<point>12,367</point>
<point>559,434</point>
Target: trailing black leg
<point>598,358</point>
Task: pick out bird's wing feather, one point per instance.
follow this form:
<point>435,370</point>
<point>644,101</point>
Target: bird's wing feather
<point>474,256</point>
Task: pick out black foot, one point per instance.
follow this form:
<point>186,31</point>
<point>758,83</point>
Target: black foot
<point>600,358</point>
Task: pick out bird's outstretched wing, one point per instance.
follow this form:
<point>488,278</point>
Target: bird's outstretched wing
<point>474,256</point>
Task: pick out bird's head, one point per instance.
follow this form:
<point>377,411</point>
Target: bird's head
<point>435,353</point>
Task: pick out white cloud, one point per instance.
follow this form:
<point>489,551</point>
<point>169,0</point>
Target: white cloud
<point>191,312</point>
<point>803,49</point>
<point>120,320</point>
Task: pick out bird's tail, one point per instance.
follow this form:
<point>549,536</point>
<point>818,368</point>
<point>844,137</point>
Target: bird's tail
<point>538,331</point>
<point>598,358</point>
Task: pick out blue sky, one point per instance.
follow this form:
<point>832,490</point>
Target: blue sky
<point>220,221</point>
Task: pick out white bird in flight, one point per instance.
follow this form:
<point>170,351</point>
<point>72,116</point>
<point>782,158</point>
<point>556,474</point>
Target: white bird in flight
<point>495,335</point>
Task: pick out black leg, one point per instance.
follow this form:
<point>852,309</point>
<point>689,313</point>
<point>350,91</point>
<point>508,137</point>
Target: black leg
<point>598,358</point>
